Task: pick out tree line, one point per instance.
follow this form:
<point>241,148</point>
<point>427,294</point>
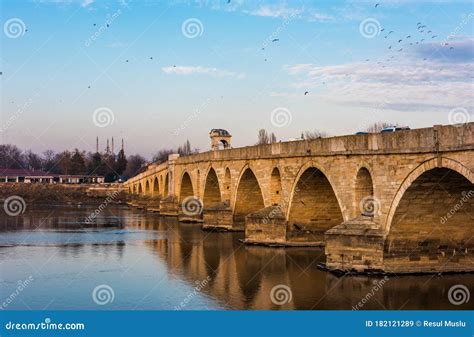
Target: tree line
<point>264,137</point>
<point>76,162</point>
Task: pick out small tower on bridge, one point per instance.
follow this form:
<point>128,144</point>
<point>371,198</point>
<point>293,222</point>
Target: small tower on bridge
<point>220,137</point>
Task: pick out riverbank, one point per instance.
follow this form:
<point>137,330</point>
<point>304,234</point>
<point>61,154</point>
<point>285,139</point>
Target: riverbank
<point>62,193</point>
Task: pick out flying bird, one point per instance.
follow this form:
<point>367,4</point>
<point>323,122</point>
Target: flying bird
<point>382,29</point>
<point>434,36</point>
<point>400,40</point>
<point>306,92</point>
<point>451,47</point>
<point>275,40</point>
<point>389,47</point>
<point>408,36</point>
<point>376,5</point>
<point>400,49</point>
<point>390,32</point>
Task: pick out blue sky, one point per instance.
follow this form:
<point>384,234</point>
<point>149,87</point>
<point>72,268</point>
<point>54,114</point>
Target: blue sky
<point>164,71</point>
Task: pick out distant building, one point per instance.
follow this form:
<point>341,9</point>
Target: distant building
<point>220,137</point>
<point>37,176</point>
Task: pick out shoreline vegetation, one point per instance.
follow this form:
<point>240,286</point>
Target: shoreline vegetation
<point>63,193</point>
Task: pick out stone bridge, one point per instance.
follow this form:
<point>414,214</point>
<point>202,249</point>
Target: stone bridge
<point>394,202</point>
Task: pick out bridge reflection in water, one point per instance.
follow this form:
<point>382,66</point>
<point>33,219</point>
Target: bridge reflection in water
<point>242,276</point>
<point>153,262</point>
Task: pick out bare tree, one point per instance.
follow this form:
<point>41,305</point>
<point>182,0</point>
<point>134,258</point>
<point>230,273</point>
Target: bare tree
<point>316,134</point>
<point>379,126</point>
<point>265,138</point>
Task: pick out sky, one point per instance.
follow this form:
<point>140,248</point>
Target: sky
<point>156,73</point>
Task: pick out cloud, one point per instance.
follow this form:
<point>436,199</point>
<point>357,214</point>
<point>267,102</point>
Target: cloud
<point>320,17</point>
<point>86,3</point>
<point>275,11</point>
<point>409,84</point>
<point>191,70</point>
<point>462,50</point>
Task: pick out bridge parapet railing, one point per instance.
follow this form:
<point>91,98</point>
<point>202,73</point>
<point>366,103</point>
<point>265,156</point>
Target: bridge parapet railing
<point>438,138</point>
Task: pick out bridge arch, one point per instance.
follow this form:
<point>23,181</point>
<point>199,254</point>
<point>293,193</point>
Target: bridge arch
<point>313,207</point>
<point>431,218</point>
<point>275,186</point>
<point>212,191</point>
<point>364,193</point>
<point>186,186</point>
<point>416,173</point>
<point>140,189</point>
<point>156,187</point>
<point>147,187</point>
<point>248,195</point>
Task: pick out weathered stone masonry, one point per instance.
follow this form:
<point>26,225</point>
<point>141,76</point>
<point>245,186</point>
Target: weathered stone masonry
<point>397,202</point>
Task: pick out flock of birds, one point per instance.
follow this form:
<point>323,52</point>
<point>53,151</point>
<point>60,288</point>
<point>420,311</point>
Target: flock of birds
<point>396,44</point>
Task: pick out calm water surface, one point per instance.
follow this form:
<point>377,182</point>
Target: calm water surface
<point>152,262</point>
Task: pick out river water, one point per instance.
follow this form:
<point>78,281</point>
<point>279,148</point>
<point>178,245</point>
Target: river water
<point>50,258</point>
